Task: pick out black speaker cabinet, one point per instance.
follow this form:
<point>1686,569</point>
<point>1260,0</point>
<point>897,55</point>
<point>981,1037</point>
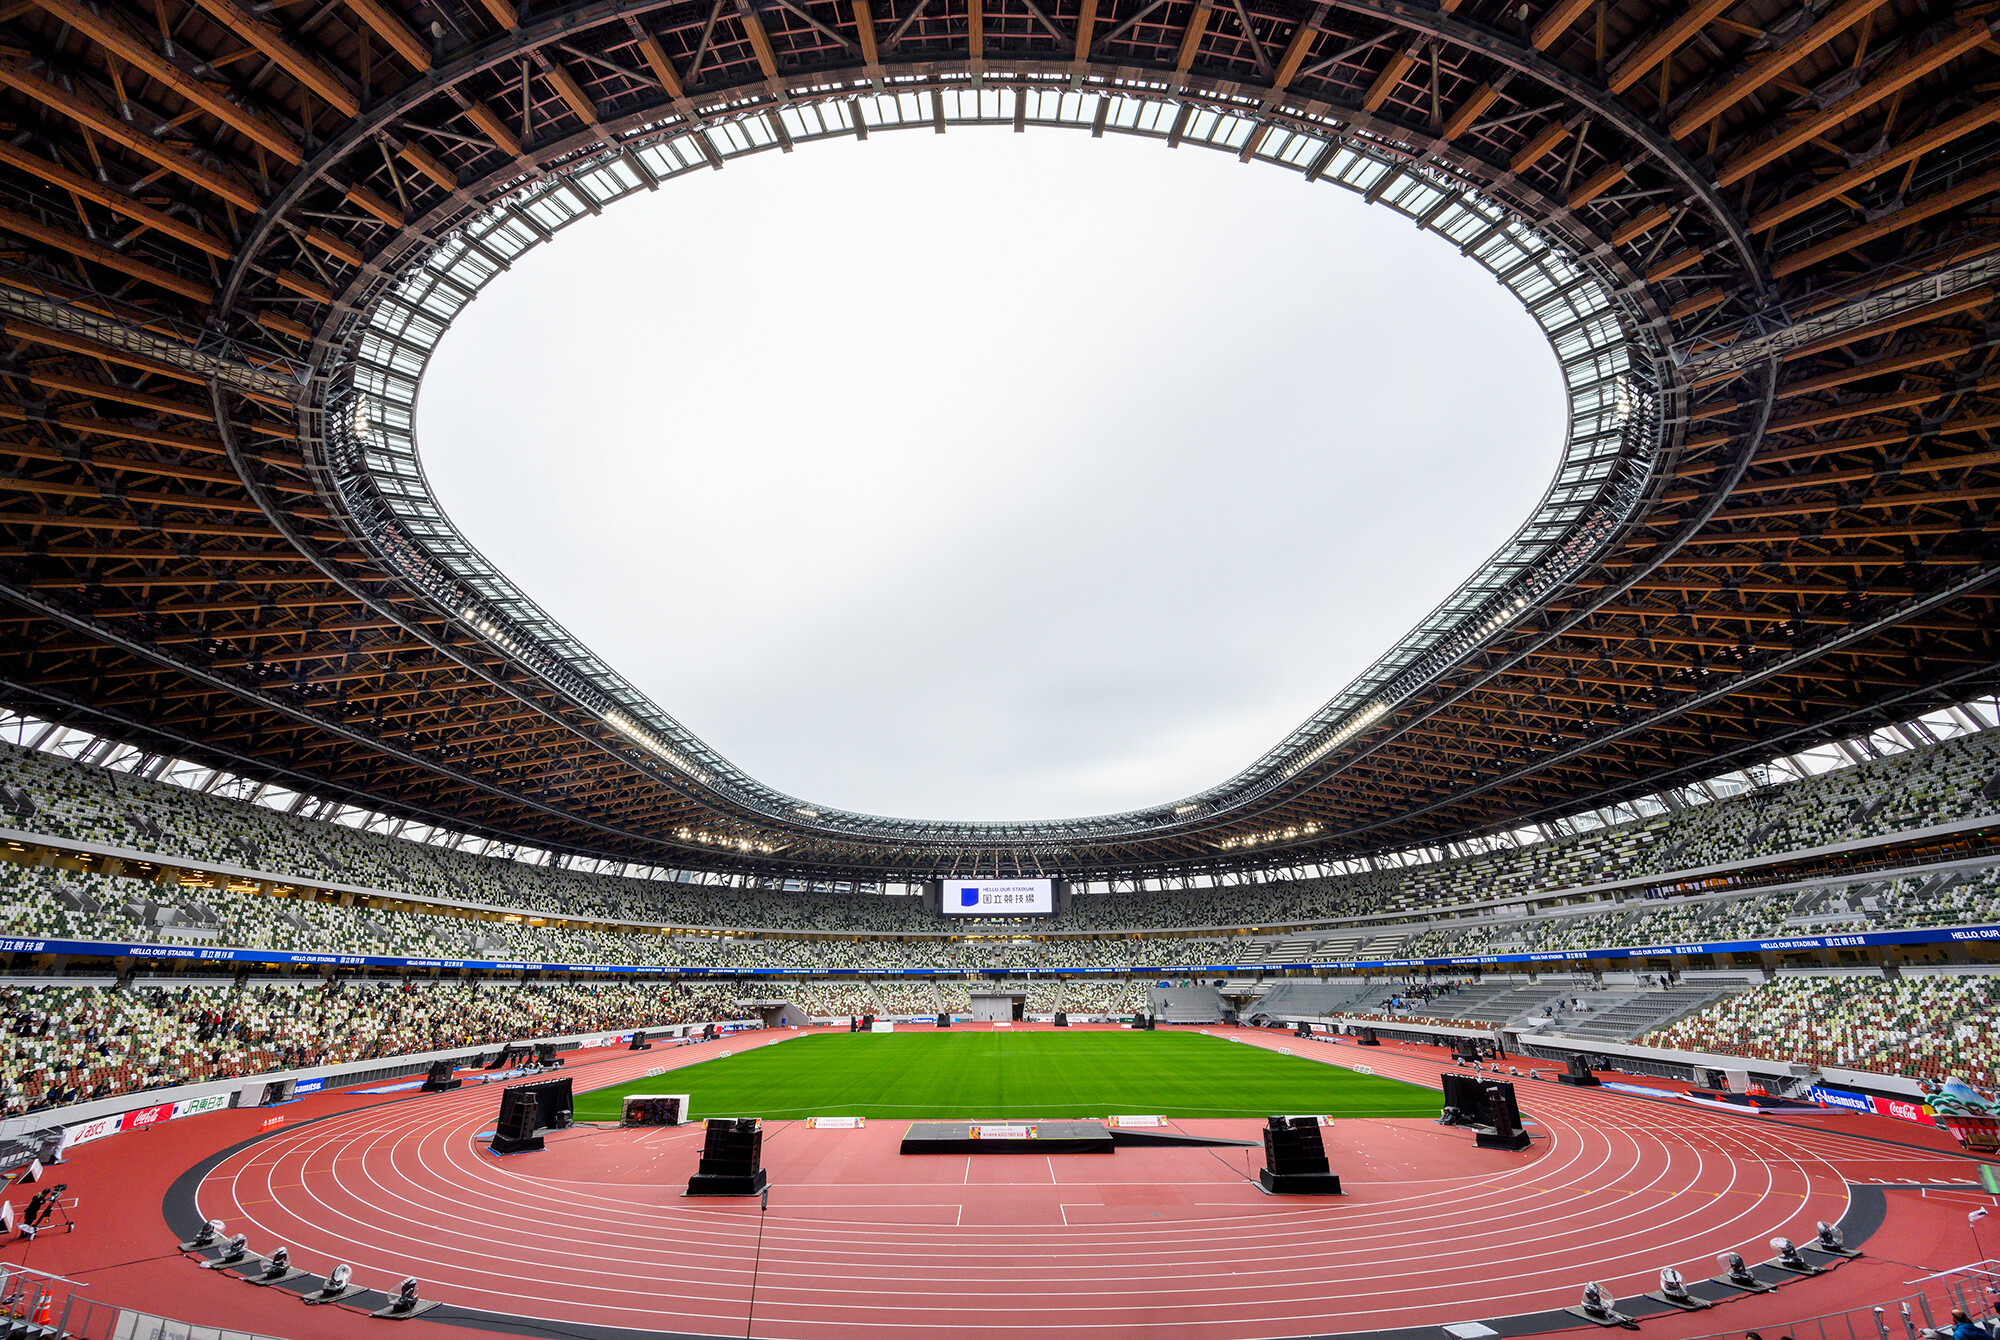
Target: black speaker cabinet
<point>528,1109</point>
<point>868,1023</point>
<point>1303,1030</point>
<point>639,1043</point>
<point>1295,1159</point>
<point>440,1078</point>
<point>516,1130</point>
<point>732,1159</point>
<point>1465,1098</point>
<point>1368,1038</point>
<point>1062,1019</point>
<point>1502,1116</point>
<point>545,1055</point>
<point>1578,1072</point>
<point>944,1020</point>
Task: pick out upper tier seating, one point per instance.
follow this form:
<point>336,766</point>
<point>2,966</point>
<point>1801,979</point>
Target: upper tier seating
<point>1958,779</point>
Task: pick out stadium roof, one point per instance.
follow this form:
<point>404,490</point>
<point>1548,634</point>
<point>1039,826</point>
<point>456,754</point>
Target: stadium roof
<point>1758,236</point>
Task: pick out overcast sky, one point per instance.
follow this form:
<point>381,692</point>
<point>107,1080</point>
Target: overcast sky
<point>990,476</point>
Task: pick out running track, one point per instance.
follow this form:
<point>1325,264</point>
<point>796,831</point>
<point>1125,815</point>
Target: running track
<point>859,1241</point>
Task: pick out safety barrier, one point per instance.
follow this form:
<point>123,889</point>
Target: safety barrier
<point>1974,1288</point>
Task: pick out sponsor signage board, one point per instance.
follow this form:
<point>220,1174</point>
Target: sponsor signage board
<point>1904,1110</point>
<point>84,1132</point>
<point>1841,1098</point>
<point>191,1107</point>
<point>211,954</point>
<point>143,1117</point>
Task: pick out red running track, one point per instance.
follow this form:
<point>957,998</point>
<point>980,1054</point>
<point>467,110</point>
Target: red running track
<point>860,1241</point>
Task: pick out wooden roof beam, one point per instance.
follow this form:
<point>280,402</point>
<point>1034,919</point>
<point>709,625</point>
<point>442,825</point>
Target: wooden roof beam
<point>1475,106</point>
<point>1768,65</point>
<point>760,41</point>
<point>569,91</point>
<point>1400,62</point>
<point>488,123</point>
<point>129,137</point>
<point>1943,307</point>
<point>1298,48</point>
<point>502,13</point>
<point>1556,22</point>
<point>864,32</point>
<point>114,200</point>
<point>423,162</point>
<point>1596,185</point>
<point>23,226</point>
<point>1895,221</point>
<point>393,31</point>
<point>1907,152</point>
<point>324,84</point>
<point>1537,148</point>
<point>1191,36</point>
<point>111,32</point>
<point>200,413</point>
<point>1966,36</point>
<point>1641,225</point>
<point>1630,69</point>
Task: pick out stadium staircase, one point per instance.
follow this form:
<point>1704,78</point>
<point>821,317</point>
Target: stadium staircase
<point>1186,1004</point>
<point>1338,948</point>
<point>1518,1003</point>
<point>1319,1000</point>
<point>1643,1013</point>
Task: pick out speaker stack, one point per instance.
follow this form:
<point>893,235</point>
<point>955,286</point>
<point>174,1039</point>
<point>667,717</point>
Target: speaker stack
<point>526,1110</point>
<point>1295,1159</point>
<point>732,1159</point>
<point>440,1079</point>
<point>1578,1072</point>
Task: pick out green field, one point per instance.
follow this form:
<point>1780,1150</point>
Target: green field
<point>999,1074</point>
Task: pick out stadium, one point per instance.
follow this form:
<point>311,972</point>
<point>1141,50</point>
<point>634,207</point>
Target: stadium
<point>1619,949</point>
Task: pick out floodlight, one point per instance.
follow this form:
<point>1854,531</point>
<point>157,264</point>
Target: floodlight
<point>406,1292</point>
<point>339,1276</point>
<point>237,1245</point>
<point>280,1259</point>
<point>1671,1283</point>
<point>1734,1270</point>
<point>1788,1254</point>
<point>1597,1300</point>
<point>1830,1236</point>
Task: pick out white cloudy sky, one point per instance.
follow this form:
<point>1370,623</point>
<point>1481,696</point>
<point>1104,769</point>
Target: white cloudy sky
<point>991,476</point>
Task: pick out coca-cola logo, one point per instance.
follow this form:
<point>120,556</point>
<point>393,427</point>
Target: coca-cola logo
<point>146,1116</point>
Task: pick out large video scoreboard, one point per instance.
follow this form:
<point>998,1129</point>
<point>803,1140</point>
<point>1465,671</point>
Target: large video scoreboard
<point>997,897</point>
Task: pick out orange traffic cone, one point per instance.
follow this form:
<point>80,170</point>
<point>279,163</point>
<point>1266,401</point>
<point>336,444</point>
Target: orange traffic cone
<point>42,1311</point>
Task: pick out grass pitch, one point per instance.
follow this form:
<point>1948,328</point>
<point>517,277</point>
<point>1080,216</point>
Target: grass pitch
<point>966,1075</point>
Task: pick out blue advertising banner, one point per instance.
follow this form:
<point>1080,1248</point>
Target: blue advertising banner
<point>285,958</point>
<point>1854,1102</point>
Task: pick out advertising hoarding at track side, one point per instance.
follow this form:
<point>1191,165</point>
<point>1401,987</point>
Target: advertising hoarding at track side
<point>1043,899</point>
